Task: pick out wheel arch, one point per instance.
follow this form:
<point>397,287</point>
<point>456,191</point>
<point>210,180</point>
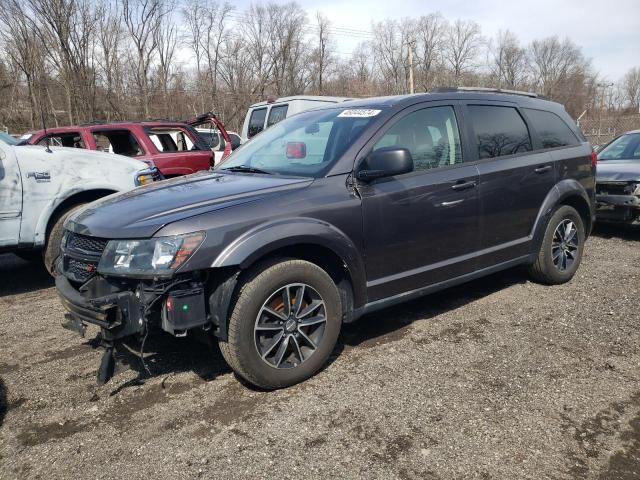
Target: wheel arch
<point>48,219</point>
<point>566,192</point>
<point>313,241</point>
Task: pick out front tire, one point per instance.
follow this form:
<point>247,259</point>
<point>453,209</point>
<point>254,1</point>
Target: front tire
<point>51,250</point>
<point>561,250</point>
<point>284,324</point>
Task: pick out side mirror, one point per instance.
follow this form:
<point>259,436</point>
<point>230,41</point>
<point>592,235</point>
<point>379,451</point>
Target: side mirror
<point>385,162</point>
<point>235,142</point>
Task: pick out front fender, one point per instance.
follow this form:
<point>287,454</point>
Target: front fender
<point>269,237</point>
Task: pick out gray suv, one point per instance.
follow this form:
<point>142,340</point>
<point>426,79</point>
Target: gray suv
<point>329,215</point>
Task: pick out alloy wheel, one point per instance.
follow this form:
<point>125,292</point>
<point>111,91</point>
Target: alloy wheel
<point>564,245</point>
<point>290,326</point>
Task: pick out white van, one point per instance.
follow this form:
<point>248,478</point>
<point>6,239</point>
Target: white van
<point>264,114</point>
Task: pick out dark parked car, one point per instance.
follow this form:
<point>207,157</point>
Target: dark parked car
<point>329,215</point>
<point>618,180</point>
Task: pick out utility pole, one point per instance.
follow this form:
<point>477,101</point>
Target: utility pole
<point>604,86</point>
<point>410,67</point>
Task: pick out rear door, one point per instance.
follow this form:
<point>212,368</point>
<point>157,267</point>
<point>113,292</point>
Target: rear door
<point>180,151</point>
<point>514,179</point>
<point>422,227</point>
<point>10,196</point>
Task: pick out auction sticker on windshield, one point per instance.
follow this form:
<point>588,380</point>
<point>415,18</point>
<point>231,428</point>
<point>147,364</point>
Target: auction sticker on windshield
<point>359,113</point>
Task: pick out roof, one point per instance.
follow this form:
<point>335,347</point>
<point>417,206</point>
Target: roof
<point>310,98</point>
<point>72,128</point>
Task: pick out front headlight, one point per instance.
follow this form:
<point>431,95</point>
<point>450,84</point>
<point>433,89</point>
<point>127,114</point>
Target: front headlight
<point>156,257</point>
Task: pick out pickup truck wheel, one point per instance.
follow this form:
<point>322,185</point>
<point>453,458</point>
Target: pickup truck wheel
<point>284,324</point>
<point>561,249</point>
<point>51,250</point>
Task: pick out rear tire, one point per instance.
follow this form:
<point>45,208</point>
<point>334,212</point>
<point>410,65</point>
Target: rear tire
<point>51,250</point>
<point>561,250</point>
<point>274,346</point>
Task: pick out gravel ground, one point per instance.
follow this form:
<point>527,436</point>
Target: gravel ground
<point>499,378</point>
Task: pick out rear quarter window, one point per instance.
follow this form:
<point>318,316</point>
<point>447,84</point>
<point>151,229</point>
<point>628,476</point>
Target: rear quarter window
<point>552,130</point>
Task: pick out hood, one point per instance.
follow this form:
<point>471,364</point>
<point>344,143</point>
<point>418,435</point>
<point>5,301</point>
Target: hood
<point>618,171</point>
<point>141,212</point>
<point>70,154</point>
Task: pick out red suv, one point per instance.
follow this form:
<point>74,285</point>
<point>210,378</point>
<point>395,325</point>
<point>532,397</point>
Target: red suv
<point>174,147</point>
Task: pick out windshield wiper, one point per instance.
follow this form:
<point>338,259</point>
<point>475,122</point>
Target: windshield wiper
<point>246,169</point>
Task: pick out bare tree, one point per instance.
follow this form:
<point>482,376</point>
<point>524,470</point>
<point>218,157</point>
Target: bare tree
<point>463,46</point>
<point>25,50</point>
<point>142,19</point>
<point>430,41</point>
<point>166,38</point>
<point>631,88</point>
<point>508,61</point>
<point>109,38</point>
<point>322,55</point>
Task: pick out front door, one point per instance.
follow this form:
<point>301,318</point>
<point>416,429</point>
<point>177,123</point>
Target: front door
<point>421,228</point>
<point>10,196</point>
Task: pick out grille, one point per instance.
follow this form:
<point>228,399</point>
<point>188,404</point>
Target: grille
<point>79,270</point>
<point>91,245</point>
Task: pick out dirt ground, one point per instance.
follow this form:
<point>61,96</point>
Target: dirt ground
<point>499,378</point>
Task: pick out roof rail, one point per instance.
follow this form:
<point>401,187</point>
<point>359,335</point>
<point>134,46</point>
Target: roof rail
<point>484,89</point>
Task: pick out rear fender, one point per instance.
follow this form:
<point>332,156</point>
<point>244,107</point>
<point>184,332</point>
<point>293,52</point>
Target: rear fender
<point>562,191</point>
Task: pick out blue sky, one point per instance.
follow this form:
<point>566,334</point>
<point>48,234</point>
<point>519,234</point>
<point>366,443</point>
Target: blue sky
<point>607,30</point>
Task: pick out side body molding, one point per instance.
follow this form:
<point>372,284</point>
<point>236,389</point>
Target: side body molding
<point>268,237</point>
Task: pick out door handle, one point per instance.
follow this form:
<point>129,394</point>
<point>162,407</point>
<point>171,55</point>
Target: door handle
<point>543,169</point>
<point>452,203</point>
<point>463,185</point>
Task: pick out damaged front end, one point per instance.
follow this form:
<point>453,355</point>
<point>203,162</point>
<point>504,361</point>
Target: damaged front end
<point>107,283</point>
<point>618,202</point>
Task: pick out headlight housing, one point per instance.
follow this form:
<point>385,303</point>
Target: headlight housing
<point>145,177</point>
<point>155,257</point>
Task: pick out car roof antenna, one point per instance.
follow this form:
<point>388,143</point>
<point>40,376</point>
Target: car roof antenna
<point>44,127</point>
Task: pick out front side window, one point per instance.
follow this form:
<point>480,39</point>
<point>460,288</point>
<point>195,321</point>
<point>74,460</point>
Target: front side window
<point>551,128</point>
<point>119,141</point>
<point>307,144</point>
<point>499,131</point>
<point>277,114</point>
<point>256,121</point>
<point>625,147</point>
<point>431,135</point>
<point>67,139</point>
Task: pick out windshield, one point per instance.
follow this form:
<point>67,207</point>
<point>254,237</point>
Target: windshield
<point>625,147</point>
<point>8,139</point>
<point>307,144</point>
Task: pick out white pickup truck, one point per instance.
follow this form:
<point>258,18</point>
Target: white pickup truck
<point>41,186</point>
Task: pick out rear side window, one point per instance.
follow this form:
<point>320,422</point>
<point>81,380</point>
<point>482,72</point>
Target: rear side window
<point>256,122</point>
<point>172,139</point>
<point>499,131</point>
<point>551,128</point>
<point>121,142</point>
<point>277,114</point>
<point>67,139</point>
